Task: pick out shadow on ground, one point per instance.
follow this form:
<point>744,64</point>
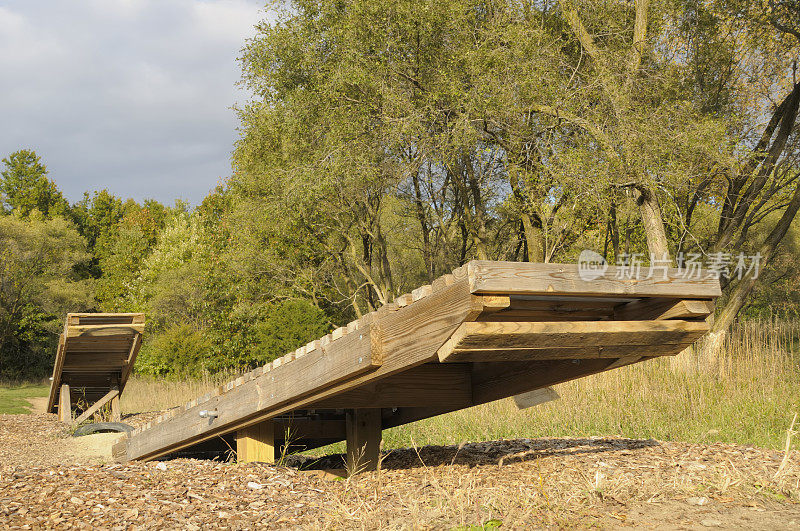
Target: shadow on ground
<point>481,453</point>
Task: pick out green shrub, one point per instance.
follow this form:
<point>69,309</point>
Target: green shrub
<point>287,326</point>
<point>178,352</point>
<point>251,336</point>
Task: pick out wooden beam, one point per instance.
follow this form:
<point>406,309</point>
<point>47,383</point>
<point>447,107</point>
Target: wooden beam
<point>535,397</point>
<point>493,381</point>
<point>661,308</point>
<point>407,337</point>
<point>104,330</point>
<point>510,278</point>
<point>97,405</point>
<point>482,305</point>
<point>431,383</point>
<point>343,359</point>
<point>537,308</point>
<point>55,384</point>
<point>624,360</point>
<point>363,439</point>
<point>116,413</point>
<point>475,336</point>
<point>127,367</point>
<point>566,353</point>
<point>256,443</point>
<point>300,429</point>
<point>65,405</point>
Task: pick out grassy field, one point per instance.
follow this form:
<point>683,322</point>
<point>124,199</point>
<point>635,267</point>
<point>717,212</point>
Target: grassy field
<point>747,395</point>
<point>13,397</point>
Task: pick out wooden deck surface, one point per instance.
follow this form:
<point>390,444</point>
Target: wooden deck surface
<point>487,331</point>
<point>96,353</point>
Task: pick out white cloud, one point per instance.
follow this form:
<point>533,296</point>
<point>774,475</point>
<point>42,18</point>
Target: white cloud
<point>132,95</point>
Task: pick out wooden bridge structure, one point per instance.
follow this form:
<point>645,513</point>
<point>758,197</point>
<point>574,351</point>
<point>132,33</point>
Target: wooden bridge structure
<point>95,357</point>
<point>487,331</point>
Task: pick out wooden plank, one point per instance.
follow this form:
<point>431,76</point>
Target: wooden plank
<point>493,381</point>
<point>535,397</point>
<point>127,367</point>
<point>624,360</point>
<point>55,384</point>
<point>409,337</point>
<point>560,334</point>
<point>65,405</point>
<point>363,439</point>
<point>349,356</point>
<point>661,308</point>
<point>541,279</point>
<point>104,318</point>
<point>432,383</point>
<point>301,429</point>
<point>256,443</point>
<point>565,353</point>
<point>104,330</point>
<point>116,413</point>
<point>94,344</point>
<point>553,309</point>
<point>97,405</point>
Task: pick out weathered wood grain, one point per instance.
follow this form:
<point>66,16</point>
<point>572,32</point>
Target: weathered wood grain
<point>576,334</point>
<point>339,360</point>
<point>104,330</point>
<point>409,337</point>
<point>565,353</point>
<point>663,308</point>
<point>541,279</point>
<point>431,383</point>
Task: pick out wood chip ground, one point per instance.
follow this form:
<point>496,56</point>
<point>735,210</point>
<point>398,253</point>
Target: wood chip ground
<point>526,483</point>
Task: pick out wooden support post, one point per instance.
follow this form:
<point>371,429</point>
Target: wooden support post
<point>64,405</point>
<point>363,428</point>
<point>111,395</point>
<point>116,414</point>
<point>256,443</point>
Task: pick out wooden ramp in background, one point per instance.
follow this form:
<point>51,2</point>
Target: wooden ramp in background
<point>95,356</point>
<point>489,330</point>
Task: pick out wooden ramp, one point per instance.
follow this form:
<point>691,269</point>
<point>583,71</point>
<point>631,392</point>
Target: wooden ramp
<point>95,356</point>
<point>489,330</point>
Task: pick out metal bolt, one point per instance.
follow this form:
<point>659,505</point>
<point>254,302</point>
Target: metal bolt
<point>360,360</point>
<point>209,414</point>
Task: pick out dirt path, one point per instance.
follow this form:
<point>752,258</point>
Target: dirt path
<point>525,483</point>
<point>38,404</point>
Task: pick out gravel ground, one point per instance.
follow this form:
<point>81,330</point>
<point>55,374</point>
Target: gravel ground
<point>520,484</point>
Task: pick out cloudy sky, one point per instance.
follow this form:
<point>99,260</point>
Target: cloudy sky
<point>130,95</point>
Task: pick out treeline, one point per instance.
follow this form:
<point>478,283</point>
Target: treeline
<point>389,142</point>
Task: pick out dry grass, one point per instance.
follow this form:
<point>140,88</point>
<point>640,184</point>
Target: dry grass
<point>143,394</point>
<point>746,396</point>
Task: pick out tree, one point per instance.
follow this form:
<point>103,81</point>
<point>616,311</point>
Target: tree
<point>37,287</point>
<point>24,186</point>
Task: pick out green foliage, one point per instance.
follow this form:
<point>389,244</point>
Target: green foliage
<point>389,142</point>
<point>178,352</point>
<point>286,327</point>
<point>38,285</point>
<point>254,334</point>
<point>24,186</point>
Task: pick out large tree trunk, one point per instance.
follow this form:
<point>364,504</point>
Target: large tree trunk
<point>533,237</point>
<point>653,223</point>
